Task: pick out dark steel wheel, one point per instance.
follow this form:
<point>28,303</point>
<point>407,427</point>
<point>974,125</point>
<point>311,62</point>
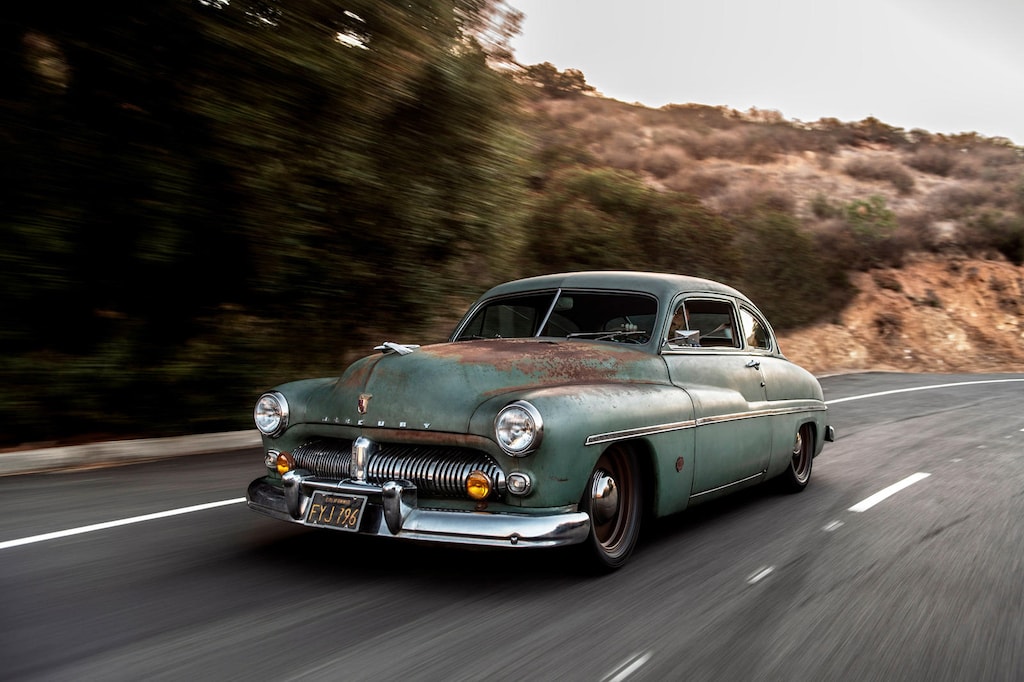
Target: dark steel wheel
<point>612,499</point>
<point>799,471</point>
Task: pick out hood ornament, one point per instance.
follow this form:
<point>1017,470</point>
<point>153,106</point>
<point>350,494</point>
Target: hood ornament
<point>401,349</point>
<point>363,404</point>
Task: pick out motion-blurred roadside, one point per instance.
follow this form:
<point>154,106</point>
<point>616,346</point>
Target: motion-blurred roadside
<point>114,453</point>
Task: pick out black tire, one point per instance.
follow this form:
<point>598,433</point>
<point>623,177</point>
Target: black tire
<point>798,473</point>
<point>613,500</point>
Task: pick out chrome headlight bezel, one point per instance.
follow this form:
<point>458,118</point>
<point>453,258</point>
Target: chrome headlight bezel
<point>271,414</point>
<point>518,428</point>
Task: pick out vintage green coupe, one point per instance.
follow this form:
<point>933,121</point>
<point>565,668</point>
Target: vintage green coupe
<point>563,410</point>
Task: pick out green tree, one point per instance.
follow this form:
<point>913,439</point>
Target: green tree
<point>202,194</point>
<point>603,218</point>
<point>782,273</point>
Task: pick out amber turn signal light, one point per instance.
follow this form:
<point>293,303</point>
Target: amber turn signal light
<point>285,463</point>
<point>478,485</point>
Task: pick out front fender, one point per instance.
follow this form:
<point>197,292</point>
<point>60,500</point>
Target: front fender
<point>580,421</point>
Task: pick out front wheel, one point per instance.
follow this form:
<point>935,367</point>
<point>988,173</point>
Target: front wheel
<point>798,473</point>
<point>612,499</point>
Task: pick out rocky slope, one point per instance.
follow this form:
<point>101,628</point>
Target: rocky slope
<point>935,314</point>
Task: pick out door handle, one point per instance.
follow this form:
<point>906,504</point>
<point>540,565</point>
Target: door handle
<point>755,364</point>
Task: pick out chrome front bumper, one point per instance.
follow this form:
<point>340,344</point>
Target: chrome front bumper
<point>392,511</point>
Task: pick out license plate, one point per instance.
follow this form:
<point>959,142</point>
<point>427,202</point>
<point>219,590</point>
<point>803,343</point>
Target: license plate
<point>336,511</point>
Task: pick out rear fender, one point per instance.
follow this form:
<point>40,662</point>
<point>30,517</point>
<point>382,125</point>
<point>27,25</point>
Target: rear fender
<point>784,438</point>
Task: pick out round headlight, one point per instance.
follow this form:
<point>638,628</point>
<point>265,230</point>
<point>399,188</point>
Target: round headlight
<point>518,428</point>
<point>271,413</point>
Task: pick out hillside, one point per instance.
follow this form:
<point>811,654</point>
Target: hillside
<point>929,226</point>
<point>934,314</point>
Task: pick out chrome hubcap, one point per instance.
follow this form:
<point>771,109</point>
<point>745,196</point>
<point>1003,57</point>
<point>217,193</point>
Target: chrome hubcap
<point>604,493</point>
<point>801,458</point>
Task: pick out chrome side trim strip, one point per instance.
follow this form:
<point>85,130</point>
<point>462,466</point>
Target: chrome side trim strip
<point>611,436</point>
<point>728,485</point>
<point>625,434</point>
<point>735,417</point>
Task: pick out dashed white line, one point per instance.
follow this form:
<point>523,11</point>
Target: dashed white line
<point>114,524</point>
<point>866,504</point>
<point>628,668</point>
<point>870,502</point>
<point>833,525</point>
<point>760,575</point>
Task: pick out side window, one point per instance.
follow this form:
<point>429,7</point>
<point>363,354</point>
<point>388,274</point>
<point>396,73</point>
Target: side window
<point>755,331</point>
<point>703,323</point>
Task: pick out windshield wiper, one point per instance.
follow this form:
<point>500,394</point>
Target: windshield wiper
<point>602,336</point>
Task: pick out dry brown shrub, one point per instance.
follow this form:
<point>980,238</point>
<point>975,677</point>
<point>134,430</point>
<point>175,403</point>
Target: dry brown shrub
<point>664,161</point>
<point>967,167</point>
<point>723,144</point>
<point>845,247</point>
<point>957,201</point>
<point>667,135</point>
<point>746,197</point>
<point>922,227</point>
<point>700,183</point>
<point>783,139</point>
<point>935,160</point>
<point>995,156</point>
<point>906,240</point>
<point>835,238</point>
<point>564,112</point>
<point>992,163</point>
<point>760,148</point>
<point>597,127</point>
<point>881,168</point>
<point>699,116</point>
<point>623,151</point>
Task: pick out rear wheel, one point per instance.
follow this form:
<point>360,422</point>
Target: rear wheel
<point>798,473</point>
<point>613,501</point>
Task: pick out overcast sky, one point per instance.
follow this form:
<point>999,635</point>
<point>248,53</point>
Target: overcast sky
<point>946,66</point>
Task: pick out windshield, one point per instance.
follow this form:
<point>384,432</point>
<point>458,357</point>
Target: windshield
<point>605,316</point>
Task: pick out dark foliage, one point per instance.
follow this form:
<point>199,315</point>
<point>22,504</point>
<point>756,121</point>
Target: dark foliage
<point>608,219</point>
<point>202,197</point>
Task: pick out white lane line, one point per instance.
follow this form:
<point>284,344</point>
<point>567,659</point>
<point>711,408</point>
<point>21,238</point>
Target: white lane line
<point>628,668</point>
<point>920,388</point>
<point>832,525</point>
<point>760,575</point>
<point>870,502</point>
<point>114,524</point>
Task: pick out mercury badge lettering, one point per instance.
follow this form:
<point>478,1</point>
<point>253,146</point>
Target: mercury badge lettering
<point>563,410</point>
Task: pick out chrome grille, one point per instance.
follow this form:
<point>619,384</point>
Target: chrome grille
<point>434,470</point>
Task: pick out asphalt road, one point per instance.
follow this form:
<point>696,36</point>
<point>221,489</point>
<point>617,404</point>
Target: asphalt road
<point>926,584</point>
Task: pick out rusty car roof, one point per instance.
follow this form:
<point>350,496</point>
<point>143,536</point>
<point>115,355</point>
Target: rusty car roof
<point>662,285</point>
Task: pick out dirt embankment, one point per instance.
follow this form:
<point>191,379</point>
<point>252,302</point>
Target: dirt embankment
<point>932,315</point>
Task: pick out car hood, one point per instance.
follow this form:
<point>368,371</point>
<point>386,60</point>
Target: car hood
<point>439,387</point>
